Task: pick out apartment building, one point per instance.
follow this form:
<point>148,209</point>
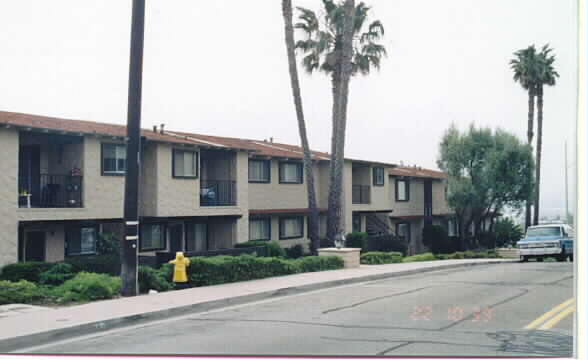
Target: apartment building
<point>62,185</point>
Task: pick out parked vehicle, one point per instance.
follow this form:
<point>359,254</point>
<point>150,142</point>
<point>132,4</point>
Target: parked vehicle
<point>553,240</point>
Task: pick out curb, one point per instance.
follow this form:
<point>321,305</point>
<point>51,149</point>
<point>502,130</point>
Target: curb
<point>48,337</point>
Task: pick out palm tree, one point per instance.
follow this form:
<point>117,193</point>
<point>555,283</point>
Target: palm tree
<point>525,67</point>
<point>325,49</point>
<point>313,217</point>
<point>546,75</point>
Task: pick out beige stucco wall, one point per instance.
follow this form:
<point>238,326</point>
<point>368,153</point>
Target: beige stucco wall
<point>274,195</point>
<point>415,205</point>
<point>8,196</point>
<point>439,202</point>
<point>149,173</point>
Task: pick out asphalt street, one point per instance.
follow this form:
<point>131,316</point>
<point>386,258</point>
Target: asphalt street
<point>518,309</point>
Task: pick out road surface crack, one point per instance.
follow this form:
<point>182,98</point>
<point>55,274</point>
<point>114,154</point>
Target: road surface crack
<point>373,299</point>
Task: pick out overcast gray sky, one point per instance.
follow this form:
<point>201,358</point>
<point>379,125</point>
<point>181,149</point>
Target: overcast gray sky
<point>219,68</point>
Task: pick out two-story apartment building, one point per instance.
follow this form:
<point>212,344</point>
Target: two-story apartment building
<point>62,185</point>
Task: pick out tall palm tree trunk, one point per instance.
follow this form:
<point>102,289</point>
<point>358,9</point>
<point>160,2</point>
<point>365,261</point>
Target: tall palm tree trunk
<point>530,142</point>
<point>333,223</point>
<point>313,217</point>
<point>340,81</point>
<point>538,156</point>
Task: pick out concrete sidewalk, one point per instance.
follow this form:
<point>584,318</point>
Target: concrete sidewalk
<point>50,325</point>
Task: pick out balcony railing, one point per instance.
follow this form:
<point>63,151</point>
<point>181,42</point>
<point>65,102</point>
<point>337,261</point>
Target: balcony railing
<point>360,194</point>
<point>218,193</point>
<point>50,191</point>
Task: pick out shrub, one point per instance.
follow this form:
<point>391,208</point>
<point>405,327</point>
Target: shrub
<point>357,240</point>
<point>57,275</point>
<point>273,248</point>
<point>88,286</point>
<point>150,278</point>
<point>387,243</point>
<point>294,252</point>
<point>318,263</point>
<point>30,271</point>
<point>21,292</point>
<point>100,264</point>
<point>379,257</point>
<point>433,235</point>
<point>442,256</point>
<point>419,257</point>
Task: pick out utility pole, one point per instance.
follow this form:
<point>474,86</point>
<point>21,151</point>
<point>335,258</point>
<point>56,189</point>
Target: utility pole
<point>566,172</point>
<point>133,170</point>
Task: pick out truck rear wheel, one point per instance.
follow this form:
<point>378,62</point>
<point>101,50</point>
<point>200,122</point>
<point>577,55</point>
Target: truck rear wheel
<point>540,258</point>
<point>524,258</point>
<point>561,257</point>
<point>571,258</point>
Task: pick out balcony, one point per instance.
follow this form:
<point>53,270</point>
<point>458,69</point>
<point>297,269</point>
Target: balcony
<point>50,191</point>
<point>218,193</point>
<point>361,194</point>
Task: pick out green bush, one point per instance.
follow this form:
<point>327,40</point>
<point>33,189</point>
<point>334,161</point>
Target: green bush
<point>57,275</point>
<point>21,292</point>
<point>273,248</point>
<point>295,252</point>
<point>150,278</point>
<point>442,256</point>
<point>387,243</point>
<point>30,271</point>
<point>379,257</point>
<point>318,263</point>
<point>419,257</point>
<point>87,287</point>
<point>357,240</point>
<point>100,264</point>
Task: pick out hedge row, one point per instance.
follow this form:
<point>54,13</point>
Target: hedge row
<point>380,257</point>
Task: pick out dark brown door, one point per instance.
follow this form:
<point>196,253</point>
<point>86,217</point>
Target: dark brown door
<point>428,202</point>
<point>176,237</point>
<point>35,246</point>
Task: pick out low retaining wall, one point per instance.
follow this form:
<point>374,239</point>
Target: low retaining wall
<point>508,253</point>
<point>350,256</point>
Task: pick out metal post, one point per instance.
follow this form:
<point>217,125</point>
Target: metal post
<point>566,172</point>
<point>132,174</point>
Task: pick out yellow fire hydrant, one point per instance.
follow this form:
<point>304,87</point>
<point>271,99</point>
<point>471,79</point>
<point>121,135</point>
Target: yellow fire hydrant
<point>180,263</point>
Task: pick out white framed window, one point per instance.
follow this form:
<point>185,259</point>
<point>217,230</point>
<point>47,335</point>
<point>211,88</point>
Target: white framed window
<point>290,173</point>
<point>259,171</point>
<point>291,227</point>
<point>114,159</point>
<point>260,229</point>
<point>152,237</point>
<point>185,164</point>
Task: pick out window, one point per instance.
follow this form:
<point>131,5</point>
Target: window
<point>260,229</point>
<point>356,227</point>
<point>544,231</point>
<point>402,190</point>
<point>114,159</point>
<point>291,228</point>
<point>196,237</point>
<point>290,173</point>
<point>185,164</point>
<point>152,237</point>
<point>81,240</point>
<point>378,176</point>
<point>259,171</point>
<point>403,229</point>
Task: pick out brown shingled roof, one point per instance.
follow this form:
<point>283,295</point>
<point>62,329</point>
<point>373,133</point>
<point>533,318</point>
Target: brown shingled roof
<point>80,126</point>
<point>417,172</point>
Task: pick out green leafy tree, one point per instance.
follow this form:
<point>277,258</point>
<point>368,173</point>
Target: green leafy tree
<point>313,217</point>
<point>341,44</point>
<point>487,171</point>
<point>507,232</point>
